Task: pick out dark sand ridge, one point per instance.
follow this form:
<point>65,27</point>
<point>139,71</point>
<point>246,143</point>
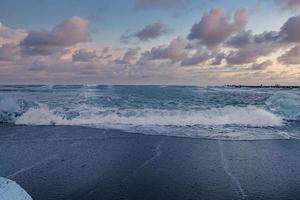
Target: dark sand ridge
<point>59,162</point>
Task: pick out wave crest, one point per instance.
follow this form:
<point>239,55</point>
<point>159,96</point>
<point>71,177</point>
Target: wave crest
<point>230,115</point>
<point>285,104</point>
<point>9,109</point>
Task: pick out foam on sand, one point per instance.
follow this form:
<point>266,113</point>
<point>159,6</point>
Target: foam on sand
<point>10,190</point>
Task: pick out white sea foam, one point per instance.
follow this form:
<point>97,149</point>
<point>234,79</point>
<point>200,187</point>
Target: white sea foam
<point>230,115</point>
<point>202,115</point>
<point>10,190</point>
<point>8,109</point>
<point>9,104</point>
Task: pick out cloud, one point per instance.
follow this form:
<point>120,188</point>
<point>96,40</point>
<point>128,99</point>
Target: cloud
<point>83,55</point>
<point>218,59</point>
<point>216,26</point>
<point>219,38</point>
<point>291,57</point>
<point>176,7</point>
<point>175,51</point>
<point>261,66</point>
<point>289,4</point>
<point>251,47</point>
<point>10,35</point>
<point>289,34</point>
<point>8,52</point>
<point>241,39</point>
<point>197,58</point>
<point>152,31</point>
<point>9,42</point>
<point>129,57</point>
<point>249,54</point>
<point>290,31</point>
<point>88,53</point>
<point>241,47</point>
<point>267,36</point>
<point>162,4</point>
<point>68,33</point>
<point>149,32</point>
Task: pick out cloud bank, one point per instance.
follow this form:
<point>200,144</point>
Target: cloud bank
<point>289,4</point>
<point>216,26</point>
<point>68,33</point>
<point>218,48</point>
<point>151,31</point>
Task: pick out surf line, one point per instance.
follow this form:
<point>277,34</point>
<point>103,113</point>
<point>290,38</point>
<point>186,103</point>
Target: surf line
<point>156,154</point>
<point>228,171</point>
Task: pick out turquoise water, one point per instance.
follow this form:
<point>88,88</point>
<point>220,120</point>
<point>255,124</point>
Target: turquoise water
<point>182,111</point>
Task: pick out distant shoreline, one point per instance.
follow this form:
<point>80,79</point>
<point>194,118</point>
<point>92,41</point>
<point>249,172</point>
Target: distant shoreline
<point>145,85</point>
<point>263,86</point>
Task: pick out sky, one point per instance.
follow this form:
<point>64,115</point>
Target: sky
<point>168,42</point>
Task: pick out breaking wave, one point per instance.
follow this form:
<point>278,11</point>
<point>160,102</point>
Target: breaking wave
<point>241,116</point>
<point>9,109</point>
<point>266,116</point>
<point>285,104</point>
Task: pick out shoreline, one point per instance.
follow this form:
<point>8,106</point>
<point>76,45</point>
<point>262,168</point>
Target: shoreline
<point>101,130</point>
<point>66,162</point>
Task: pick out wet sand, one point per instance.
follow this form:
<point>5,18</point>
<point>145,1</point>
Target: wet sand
<point>61,162</point>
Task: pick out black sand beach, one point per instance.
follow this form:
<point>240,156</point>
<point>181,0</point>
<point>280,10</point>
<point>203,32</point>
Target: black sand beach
<point>60,163</point>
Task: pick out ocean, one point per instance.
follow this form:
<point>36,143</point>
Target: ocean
<point>182,111</point>
<point>91,142</point>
